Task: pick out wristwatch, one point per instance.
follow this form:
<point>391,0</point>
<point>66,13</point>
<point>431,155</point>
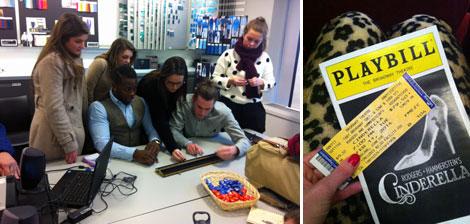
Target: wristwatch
<point>157,141</point>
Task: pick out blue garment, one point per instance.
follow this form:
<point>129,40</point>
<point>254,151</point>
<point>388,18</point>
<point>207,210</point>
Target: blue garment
<point>236,27</point>
<point>99,127</point>
<point>5,144</point>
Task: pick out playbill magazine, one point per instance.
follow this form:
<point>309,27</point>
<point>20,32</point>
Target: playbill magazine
<point>424,176</point>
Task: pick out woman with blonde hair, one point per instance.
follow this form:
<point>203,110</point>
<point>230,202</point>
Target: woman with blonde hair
<point>98,76</point>
<point>244,73</point>
<point>59,88</point>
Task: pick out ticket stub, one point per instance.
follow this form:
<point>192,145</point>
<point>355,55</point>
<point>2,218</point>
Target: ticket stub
<point>377,127</point>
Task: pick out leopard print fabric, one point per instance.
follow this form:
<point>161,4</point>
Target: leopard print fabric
<point>346,33</point>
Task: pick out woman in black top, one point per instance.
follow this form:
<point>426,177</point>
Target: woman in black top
<point>161,90</point>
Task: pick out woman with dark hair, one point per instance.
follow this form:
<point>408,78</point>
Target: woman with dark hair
<point>98,76</point>
<point>59,90</point>
<point>244,73</point>
<point>161,90</point>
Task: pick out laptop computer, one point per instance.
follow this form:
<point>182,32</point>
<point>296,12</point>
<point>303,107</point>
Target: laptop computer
<point>78,188</point>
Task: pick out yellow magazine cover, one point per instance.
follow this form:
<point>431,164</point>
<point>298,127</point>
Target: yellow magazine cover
<point>425,168</point>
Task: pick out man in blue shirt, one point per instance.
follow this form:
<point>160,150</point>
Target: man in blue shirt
<point>8,165</point>
<point>123,116</point>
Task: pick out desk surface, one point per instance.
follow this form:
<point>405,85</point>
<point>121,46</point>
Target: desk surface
<point>183,213</point>
<point>156,196</point>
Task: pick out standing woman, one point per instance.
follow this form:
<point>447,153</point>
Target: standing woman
<point>244,73</point>
<point>161,90</point>
<point>98,76</point>
<point>59,90</point>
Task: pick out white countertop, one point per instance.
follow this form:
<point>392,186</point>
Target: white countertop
<point>184,213</point>
<point>20,68</point>
<point>19,61</point>
<point>158,196</point>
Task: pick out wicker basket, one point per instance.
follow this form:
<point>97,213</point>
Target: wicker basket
<point>215,176</point>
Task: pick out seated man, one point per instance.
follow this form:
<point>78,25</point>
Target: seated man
<point>122,116</point>
<point>201,115</point>
<point>8,165</point>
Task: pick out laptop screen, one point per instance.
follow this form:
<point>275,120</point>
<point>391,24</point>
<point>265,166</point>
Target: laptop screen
<point>100,170</point>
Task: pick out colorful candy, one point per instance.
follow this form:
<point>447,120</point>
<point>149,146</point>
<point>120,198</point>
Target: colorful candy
<point>229,190</point>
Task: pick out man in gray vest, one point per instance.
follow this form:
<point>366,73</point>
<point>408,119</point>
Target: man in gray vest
<point>201,115</point>
<point>123,116</point>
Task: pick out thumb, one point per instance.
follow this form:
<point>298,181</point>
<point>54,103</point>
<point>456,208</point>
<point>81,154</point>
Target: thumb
<point>343,172</point>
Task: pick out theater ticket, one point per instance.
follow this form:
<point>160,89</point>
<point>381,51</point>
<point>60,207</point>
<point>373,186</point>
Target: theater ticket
<point>377,127</point>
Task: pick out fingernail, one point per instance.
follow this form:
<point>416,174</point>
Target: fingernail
<point>354,159</point>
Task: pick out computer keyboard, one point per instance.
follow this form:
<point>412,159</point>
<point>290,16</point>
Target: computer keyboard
<point>77,191</point>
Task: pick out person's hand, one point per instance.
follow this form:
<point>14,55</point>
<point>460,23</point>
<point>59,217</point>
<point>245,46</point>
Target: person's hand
<point>153,148</point>
<point>255,81</point>
<point>227,152</point>
<point>320,193</point>
<point>237,81</point>
<point>71,157</point>
<point>8,165</point>
<point>194,149</point>
<point>177,155</point>
<point>145,157</point>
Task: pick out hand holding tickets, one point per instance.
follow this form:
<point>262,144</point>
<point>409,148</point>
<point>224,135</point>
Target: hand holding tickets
<point>377,127</point>
<point>320,192</point>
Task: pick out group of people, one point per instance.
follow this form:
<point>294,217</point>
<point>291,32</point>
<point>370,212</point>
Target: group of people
<point>108,102</point>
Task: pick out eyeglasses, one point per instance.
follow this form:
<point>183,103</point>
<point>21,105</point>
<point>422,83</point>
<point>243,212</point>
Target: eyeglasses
<point>175,84</point>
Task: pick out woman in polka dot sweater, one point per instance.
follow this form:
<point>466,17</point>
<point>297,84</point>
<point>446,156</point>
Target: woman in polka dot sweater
<point>244,73</point>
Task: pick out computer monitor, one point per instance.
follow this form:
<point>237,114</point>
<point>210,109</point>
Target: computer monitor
<point>16,108</point>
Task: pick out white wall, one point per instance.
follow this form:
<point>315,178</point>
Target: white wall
<point>297,94</point>
<point>19,61</point>
<point>289,53</point>
<point>108,22</point>
<point>281,121</point>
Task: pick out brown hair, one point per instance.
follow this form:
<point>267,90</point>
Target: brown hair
<point>174,65</point>
<point>259,25</point>
<point>117,47</point>
<point>69,25</point>
<point>206,90</point>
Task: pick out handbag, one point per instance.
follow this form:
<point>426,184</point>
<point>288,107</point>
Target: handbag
<point>268,165</point>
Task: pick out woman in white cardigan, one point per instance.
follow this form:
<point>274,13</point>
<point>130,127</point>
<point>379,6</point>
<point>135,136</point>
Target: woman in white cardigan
<point>244,73</point>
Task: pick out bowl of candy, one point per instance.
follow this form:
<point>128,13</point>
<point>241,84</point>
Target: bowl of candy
<point>229,190</point>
